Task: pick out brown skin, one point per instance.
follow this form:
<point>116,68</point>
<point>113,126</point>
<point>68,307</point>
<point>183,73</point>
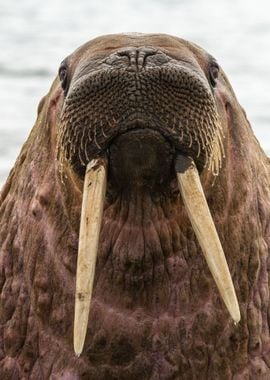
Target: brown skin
<point>156,312</point>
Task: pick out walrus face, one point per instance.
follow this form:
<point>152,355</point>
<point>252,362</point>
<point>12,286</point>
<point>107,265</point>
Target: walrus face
<point>144,111</point>
<point>112,191</point>
<point>145,95</point>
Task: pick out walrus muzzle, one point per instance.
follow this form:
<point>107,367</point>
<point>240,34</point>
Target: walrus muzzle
<point>117,100</point>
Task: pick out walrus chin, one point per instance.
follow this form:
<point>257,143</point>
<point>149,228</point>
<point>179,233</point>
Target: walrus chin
<point>143,159</point>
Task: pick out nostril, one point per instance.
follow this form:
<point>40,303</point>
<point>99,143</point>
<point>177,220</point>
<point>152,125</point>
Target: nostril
<point>137,56</point>
<point>144,54</point>
<point>133,58</point>
<point>128,56</point>
<point>131,54</point>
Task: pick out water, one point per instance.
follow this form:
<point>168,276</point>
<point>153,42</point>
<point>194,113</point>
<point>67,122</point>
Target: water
<point>35,36</point>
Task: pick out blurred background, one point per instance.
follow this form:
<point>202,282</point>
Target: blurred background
<point>36,35</point>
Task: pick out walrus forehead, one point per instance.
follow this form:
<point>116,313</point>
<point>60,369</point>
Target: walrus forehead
<point>175,47</point>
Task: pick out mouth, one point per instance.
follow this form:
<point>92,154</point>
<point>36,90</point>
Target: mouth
<point>140,159</point>
<point>143,159</point>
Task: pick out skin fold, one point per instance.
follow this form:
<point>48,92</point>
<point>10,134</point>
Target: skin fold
<point>156,312</point>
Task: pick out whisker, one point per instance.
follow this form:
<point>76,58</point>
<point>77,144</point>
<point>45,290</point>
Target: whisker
<point>95,138</point>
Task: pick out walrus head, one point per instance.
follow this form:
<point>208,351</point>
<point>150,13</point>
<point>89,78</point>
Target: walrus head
<point>142,108</point>
<point>138,135</point>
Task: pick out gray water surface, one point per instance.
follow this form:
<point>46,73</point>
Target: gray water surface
<point>36,35</point>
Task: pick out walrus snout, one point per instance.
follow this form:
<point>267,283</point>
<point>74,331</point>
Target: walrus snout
<point>112,94</point>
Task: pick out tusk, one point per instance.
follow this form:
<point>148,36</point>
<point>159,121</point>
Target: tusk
<point>204,228</point>
<point>91,217</point>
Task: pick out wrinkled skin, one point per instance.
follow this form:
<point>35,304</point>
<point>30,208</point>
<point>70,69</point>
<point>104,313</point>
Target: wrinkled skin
<point>156,312</point>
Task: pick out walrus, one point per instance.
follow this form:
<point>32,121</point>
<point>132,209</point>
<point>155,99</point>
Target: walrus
<point>135,224</point>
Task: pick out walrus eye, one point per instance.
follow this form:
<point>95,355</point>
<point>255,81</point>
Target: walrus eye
<point>213,74</point>
<point>63,74</point>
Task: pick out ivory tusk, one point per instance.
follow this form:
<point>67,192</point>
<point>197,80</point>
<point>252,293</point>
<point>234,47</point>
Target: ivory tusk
<point>91,217</point>
<point>204,228</point>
